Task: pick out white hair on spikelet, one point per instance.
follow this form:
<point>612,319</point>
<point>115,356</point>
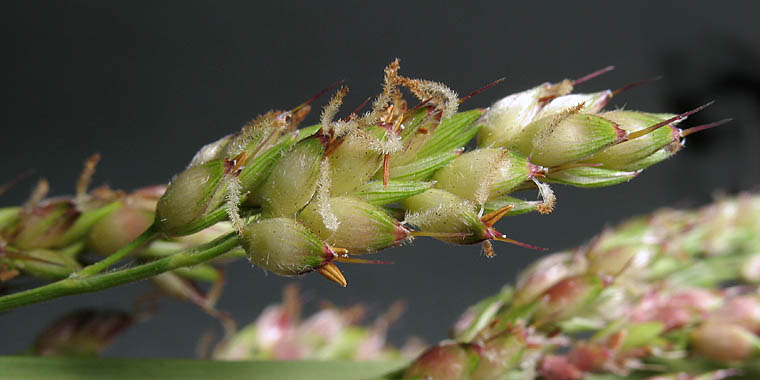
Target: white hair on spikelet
<point>323,198</point>
<point>543,135</point>
<point>422,219</point>
<point>232,197</point>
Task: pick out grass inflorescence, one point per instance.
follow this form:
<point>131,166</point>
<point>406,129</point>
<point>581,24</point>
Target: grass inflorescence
<point>298,200</point>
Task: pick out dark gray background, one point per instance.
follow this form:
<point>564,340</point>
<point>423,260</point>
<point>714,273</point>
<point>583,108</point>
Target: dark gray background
<point>147,83</point>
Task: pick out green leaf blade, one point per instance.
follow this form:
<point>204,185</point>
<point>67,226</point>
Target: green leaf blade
<point>32,368</point>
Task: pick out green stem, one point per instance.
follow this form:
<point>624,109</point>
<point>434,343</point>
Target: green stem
<point>102,265</point>
<point>162,248</point>
<point>92,283</point>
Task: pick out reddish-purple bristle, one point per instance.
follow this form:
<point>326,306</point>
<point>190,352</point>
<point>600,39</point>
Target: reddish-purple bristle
<point>505,239</point>
<point>354,260</point>
<point>702,127</point>
<point>593,75</point>
<point>422,104</point>
<point>15,180</point>
<point>359,108</point>
<point>317,95</point>
<point>635,84</point>
<point>478,91</point>
<point>682,116</point>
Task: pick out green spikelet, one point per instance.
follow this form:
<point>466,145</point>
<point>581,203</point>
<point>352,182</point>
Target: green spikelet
<point>358,157</point>
<point>440,211</point>
<point>566,138</point>
<point>285,247</point>
<point>624,154</point>
<point>359,227</point>
<point>194,193</point>
<point>377,193</point>
<point>507,117</point>
<point>483,174</point>
<point>293,180</point>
